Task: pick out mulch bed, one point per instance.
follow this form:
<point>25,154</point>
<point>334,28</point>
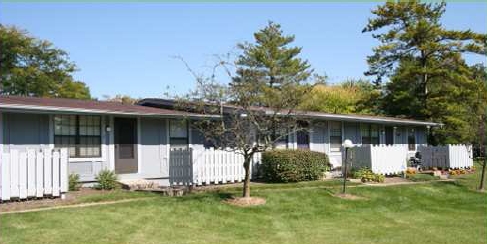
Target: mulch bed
<point>71,198</point>
<point>245,201</point>
<point>349,196</point>
<point>395,180</point>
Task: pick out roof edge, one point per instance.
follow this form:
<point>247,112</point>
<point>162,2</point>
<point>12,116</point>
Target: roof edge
<point>24,107</point>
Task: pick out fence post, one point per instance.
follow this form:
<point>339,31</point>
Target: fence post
<point>14,174</point>
<point>31,173</point>
<point>5,176</point>
<point>64,170</point>
<point>23,175</point>
<point>39,174</point>
<point>55,173</point>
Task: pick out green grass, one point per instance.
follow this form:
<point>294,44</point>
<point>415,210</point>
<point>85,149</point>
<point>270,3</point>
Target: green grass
<point>433,212</point>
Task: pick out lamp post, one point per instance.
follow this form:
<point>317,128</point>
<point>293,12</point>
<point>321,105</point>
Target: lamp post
<point>346,144</point>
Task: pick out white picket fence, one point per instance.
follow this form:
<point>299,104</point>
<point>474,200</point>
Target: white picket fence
<point>33,173</point>
<point>207,166</point>
<point>446,157</point>
<point>381,159</point>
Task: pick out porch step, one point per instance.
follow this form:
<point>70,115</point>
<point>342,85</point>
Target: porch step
<point>138,184</point>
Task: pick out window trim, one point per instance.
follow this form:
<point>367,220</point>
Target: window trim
<point>413,131</point>
<point>284,140</point>
<point>77,139</point>
<point>187,133</point>
<point>339,149</point>
<point>369,130</point>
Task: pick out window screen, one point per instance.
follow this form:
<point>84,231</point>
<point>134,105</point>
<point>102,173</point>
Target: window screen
<point>178,134</point>
<point>411,140</point>
<point>335,136</point>
<point>81,134</point>
<point>370,134</point>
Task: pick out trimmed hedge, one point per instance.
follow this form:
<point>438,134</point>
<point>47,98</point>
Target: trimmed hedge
<point>293,165</point>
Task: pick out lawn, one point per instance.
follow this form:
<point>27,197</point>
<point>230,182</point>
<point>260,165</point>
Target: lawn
<point>432,212</point>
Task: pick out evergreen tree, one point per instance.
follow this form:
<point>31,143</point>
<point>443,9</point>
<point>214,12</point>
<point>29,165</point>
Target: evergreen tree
<point>428,77</point>
<point>270,63</point>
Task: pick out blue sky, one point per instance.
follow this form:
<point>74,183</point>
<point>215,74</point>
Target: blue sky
<point>130,48</point>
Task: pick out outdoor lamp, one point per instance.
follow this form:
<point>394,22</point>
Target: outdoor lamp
<point>346,144</point>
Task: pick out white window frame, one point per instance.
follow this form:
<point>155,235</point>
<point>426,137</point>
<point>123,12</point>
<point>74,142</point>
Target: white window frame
<point>340,123</point>
<point>52,134</point>
<point>413,130</point>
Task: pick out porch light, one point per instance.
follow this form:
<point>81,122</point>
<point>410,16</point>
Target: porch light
<point>347,143</point>
<point>108,129</point>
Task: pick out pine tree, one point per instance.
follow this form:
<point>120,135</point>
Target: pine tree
<point>270,63</point>
<point>428,77</point>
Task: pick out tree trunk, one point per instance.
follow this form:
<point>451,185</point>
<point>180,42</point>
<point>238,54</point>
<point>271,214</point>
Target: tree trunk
<point>424,84</point>
<point>482,144</point>
<point>482,177</point>
<point>246,188</point>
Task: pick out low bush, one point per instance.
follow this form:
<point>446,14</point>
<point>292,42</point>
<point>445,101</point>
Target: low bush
<point>107,180</point>
<point>366,175</point>
<point>422,177</point>
<point>458,171</point>
<point>293,165</point>
<point>74,184</point>
<point>411,171</point>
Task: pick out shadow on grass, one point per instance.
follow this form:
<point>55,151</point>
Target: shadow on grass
<point>215,196</point>
<point>224,195</point>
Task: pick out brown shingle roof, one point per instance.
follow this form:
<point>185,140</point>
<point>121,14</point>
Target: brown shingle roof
<point>84,106</point>
<point>167,103</point>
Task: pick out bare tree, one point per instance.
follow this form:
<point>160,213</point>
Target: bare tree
<point>257,108</point>
<point>243,126</point>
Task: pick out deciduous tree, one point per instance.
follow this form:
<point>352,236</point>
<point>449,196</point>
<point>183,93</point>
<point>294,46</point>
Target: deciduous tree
<point>33,67</point>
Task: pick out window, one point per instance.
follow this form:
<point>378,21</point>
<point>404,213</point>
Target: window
<point>411,140</point>
<point>302,135</point>
<point>335,136</point>
<point>178,134</point>
<point>80,134</point>
<point>281,138</point>
<point>370,134</point>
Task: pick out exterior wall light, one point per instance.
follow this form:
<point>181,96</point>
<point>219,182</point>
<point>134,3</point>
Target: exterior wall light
<point>347,144</point>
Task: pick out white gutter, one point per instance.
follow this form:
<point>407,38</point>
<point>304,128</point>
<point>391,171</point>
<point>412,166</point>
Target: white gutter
<point>342,117</point>
<point>93,111</point>
<point>366,119</point>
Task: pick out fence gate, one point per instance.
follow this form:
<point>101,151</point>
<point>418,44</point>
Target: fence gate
<point>180,166</point>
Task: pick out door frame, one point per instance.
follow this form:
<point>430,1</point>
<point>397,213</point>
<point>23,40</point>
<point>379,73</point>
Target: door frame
<point>113,160</point>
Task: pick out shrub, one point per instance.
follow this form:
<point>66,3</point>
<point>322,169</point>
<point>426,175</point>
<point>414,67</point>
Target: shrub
<point>293,165</point>
<point>74,184</point>
<point>107,180</point>
<point>410,171</point>
<point>365,175</point>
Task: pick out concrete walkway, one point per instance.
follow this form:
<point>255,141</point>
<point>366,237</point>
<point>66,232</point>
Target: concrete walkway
<point>81,205</point>
<point>403,183</point>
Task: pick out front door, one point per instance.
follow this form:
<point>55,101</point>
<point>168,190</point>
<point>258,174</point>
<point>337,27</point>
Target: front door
<point>389,135</point>
<point>302,136</point>
<point>125,145</point>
